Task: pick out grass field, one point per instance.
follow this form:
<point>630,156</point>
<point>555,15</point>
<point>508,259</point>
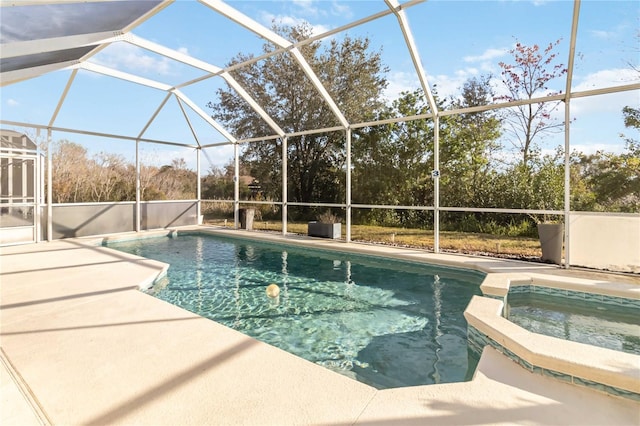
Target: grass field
<point>458,242</point>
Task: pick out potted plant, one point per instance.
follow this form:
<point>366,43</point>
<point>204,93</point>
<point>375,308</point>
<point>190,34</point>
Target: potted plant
<point>327,226</point>
<point>551,235</point>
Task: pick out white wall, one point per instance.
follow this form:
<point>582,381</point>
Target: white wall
<point>605,241</point>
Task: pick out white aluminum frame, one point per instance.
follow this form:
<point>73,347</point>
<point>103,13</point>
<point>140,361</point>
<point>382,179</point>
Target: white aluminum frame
<point>282,46</point>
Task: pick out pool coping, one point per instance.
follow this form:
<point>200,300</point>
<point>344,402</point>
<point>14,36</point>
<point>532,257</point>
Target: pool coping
<point>612,372</point>
<point>500,389</point>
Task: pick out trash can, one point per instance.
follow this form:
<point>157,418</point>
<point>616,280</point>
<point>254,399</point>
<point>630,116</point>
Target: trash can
<point>246,218</point>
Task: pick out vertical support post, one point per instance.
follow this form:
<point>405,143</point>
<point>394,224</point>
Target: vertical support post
<point>236,186</point>
<point>567,133</point>
<point>436,184</point>
<point>284,185</point>
<point>37,188</point>
<point>198,188</point>
<point>24,169</point>
<point>138,192</point>
<point>348,187</point>
<point>567,184</point>
<point>10,170</point>
<point>49,188</point>
<point>43,195</point>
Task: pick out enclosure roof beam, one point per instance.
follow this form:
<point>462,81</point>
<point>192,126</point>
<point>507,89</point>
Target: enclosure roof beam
<point>91,133</point>
<point>128,28</point>
<point>605,90</point>
<point>63,97</point>
<point>252,102</point>
<point>243,20</point>
<point>413,51</point>
<point>100,69</point>
<point>170,53</point>
<point>186,117</point>
<point>205,66</point>
<point>319,86</point>
<point>11,77</point>
<point>155,114</point>
<point>269,35</point>
<point>572,47</point>
<point>148,15</point>
<point>204,115</point>
<point>304,42</point>
<point>33,47</point>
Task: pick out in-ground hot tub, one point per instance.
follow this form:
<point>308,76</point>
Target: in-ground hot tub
<point>604,369</point>
<point>583,318</point>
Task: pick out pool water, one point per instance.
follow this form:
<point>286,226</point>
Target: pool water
<point>387,323</point>
<point>593,323</point>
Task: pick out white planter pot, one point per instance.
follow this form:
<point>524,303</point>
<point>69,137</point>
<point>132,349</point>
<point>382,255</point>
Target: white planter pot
<point>551,237</point>
<point>246,218</point>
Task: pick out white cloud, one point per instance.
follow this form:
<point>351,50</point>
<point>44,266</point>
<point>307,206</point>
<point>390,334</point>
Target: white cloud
<point>125,56</point>
<point>450,85</point>
<point>605,103</point>
<point>310,9</point>
<point>399,82</point>
<point>612,103</point>
<point>340,9</point>
<point>218,156</point>
<point>446,85</point>
<point>160,156</point>
<point>306,7</point>
<point>486,61</point>
<point>592,148</point>
<point>290,21</point>
<point>12,102</point>
<point>602,34</point>
<point>606,78</point>
<point>540,2</point>
<point>487,55</point>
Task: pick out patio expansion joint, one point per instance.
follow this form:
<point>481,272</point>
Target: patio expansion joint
<point>366,406</point>
<point>25,390</point>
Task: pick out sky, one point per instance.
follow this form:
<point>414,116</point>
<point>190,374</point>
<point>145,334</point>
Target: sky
<point>456,40</point>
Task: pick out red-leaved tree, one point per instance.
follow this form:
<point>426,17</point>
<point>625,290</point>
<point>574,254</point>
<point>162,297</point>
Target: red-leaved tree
<point>528,77</point>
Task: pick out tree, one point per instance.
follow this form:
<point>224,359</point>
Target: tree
<point>526,78</point>
<point>468,142</point>
<point>352,74</point>
<point>631,117</point>
<point>614,179</point>
<point>218,184</point>
<point>393,162</point>
<point>70,170</point>
<point>176,181</point>
<point>107,172</point>
<point>108,177</point>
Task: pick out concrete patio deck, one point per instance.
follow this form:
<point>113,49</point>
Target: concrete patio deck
<point>82,345</point>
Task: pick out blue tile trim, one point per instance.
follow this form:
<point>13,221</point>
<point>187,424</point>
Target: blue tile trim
<point>520,289</point>
<point>557,375</point>
<point>478,340</point>
<point>573,294</point>
<point>606,388</point>
<point>494,296</point>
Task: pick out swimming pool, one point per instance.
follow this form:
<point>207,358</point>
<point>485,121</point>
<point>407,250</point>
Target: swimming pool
<point>387,323</point>
<point>583,321</point>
